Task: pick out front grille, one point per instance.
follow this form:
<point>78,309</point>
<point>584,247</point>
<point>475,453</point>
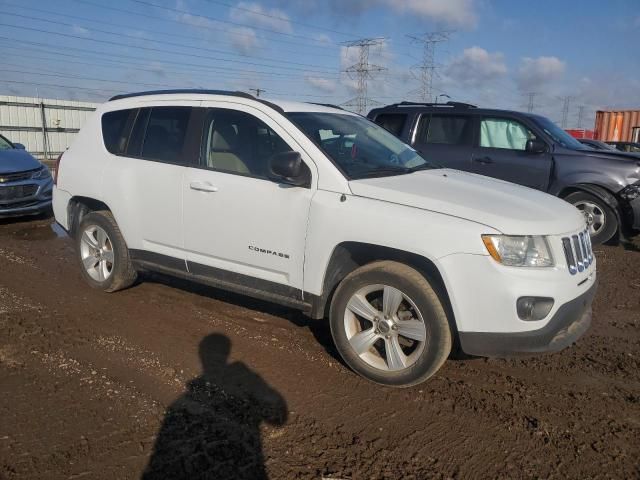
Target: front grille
<point>15,192</point>
<point>578,251</point>
<point>16,177</point>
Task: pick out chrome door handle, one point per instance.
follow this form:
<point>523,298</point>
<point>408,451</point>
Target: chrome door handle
<point>203,187</point>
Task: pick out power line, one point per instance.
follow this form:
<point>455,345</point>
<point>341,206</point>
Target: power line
<point>262,14</point>
<point>148,16</point>
<point>426,69</point>
<point>164,42</point>
<point>154,32</point>
<point>362,71</point>
<point>101,55</point>
<point>164,51</point>
<point>230,22</point>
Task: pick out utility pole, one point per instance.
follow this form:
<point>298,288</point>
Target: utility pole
<point>566,101</point>
<point>530,106</point>
<point>362,71</point>
<point>426,70</point>
<point>580,115</point>
<point>257,90</point>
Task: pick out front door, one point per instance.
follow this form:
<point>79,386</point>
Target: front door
<point>237,221</point>
<point>501,153</point>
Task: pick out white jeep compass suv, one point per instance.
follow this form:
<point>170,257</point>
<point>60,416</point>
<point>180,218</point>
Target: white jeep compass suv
<point>320,209</point>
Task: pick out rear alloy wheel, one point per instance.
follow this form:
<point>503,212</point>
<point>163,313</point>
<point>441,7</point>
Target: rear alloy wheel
<point>103,253</point>
<point>389,325</point>
<point>600,218</point>
<point>96,252</point>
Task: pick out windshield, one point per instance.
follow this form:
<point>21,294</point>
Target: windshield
<point>359,147</point>
<point>5,144</point>
<point>559,135</point>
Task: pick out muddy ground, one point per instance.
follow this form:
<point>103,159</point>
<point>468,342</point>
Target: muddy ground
<point>90,382</point>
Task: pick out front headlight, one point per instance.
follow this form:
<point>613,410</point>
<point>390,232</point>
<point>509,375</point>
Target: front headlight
<point>41,174</point>
<point>519,251</point>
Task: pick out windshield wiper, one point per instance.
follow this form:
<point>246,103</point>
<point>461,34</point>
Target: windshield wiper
<point>423,166</point>
<point>384,171</point>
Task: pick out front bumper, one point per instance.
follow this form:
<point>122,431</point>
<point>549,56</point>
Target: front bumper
<point>634,206</point>
<point>568,324</point>
<point>36,201</point>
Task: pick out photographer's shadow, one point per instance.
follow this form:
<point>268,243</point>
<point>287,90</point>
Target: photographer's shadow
<point>213,430</point>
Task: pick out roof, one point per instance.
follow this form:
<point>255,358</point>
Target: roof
<point>446,107</point>
<point>279,105</point>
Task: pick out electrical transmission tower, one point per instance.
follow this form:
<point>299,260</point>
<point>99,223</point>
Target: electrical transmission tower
<point>566,101</point>
<point>531,105</point>
<point>362,71</point>
<point>257,90</point>
<point>426,70</point>
<point>580,115</point>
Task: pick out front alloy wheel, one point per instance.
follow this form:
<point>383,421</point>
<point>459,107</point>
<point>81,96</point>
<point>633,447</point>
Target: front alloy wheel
<point>384,327</point>
<point>389,324</point>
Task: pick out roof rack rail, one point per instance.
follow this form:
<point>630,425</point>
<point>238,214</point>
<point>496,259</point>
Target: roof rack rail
<point>183,90</point>
<point>427,104</point>
<point>330,105</point>
<point>200,92</point>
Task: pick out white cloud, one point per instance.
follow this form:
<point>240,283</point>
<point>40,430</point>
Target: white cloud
<point>78,30</point>
<point>189,19</point>
<point>476,67</point>
<point>255,14</point>
<point>322,38</point>
<point>323,84</point>
<point>456,13</point>
<point>534,72</point>
<point>244,40</point>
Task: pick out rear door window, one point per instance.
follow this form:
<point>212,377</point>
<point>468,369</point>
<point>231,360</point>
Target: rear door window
<point>115,129</point>
<point>166,133</point>
<point>393,122</point>
<point>445,130</point>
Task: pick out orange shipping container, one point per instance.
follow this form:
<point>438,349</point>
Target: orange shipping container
<point>618,126</point>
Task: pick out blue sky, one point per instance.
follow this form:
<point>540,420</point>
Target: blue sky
<point>497,51</point>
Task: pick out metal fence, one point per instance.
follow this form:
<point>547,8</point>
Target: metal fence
<point>46,127</point>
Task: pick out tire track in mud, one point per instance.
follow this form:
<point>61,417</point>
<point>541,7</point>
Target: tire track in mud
<point>575,414</point>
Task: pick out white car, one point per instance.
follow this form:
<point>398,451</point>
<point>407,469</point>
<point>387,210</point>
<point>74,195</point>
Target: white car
<point>320,209</point>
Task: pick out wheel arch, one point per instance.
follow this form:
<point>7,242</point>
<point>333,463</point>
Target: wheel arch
<point>348,256</point>
<point>600,192</point>
<point>78,207</point>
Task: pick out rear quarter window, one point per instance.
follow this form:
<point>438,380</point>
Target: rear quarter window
<point>392,122</point>
<point>115,126</point>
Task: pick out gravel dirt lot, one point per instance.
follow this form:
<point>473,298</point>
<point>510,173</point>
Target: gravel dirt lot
<point>173,380</point>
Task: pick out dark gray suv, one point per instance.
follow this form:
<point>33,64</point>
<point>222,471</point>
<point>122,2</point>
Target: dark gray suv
<point>526,149</point>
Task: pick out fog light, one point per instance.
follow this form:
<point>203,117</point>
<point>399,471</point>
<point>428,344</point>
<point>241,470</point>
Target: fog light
<point>534,308</point>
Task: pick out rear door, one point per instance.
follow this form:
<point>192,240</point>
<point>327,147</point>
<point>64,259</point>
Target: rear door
<point>501,153</point>
<point>446,139</point>
<point>145,182</point>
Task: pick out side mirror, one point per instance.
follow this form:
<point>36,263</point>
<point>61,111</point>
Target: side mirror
<point>288,167</point>
<point>536,146</point>
<point>19,146</point>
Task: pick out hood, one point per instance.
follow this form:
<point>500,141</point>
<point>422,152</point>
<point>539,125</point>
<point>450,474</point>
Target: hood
<point>609,155</point>
<point>17,160</point>
<point>504,206</point>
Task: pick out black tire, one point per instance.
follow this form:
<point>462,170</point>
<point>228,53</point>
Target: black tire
<point>608,229</point>
<point>410,282</point>
<point>123,275</point>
